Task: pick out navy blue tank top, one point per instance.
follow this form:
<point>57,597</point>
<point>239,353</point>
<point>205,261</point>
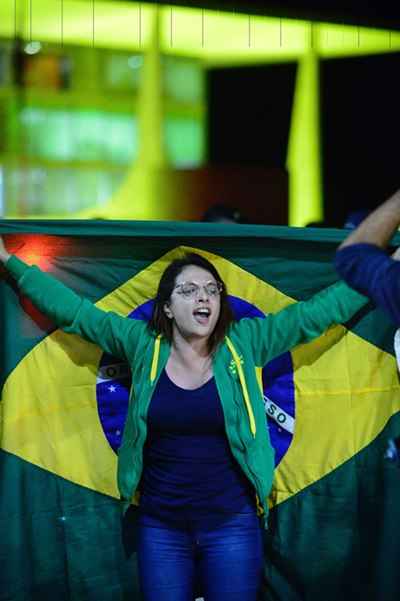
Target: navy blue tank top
<point>189,470</point>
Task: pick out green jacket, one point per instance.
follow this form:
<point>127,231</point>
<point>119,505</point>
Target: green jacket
<point>248,346</point>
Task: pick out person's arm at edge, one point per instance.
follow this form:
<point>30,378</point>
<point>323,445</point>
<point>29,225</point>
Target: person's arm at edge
<point>361,261</point>
<point>379,227</point>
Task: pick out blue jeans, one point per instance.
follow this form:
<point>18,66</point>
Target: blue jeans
<point>222,562</point>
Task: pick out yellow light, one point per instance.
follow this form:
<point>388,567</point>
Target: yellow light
<point>216,39</point>
<point>213,36</point>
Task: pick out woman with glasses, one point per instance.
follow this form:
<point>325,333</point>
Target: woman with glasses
<point>195,457</point>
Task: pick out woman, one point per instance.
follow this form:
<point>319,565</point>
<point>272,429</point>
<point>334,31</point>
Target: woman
<point>195,454</point>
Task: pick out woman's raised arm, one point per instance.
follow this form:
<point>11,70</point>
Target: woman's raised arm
<point>115,334</point>
<point>302,321</point>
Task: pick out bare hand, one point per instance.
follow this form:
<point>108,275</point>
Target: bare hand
<point>4,255</point>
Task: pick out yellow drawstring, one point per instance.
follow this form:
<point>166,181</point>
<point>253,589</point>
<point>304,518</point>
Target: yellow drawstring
<point>260,508</point>
<point>153,373</point>
<point>259,379</point>
<point>154,363</point>
<point>244,386</point>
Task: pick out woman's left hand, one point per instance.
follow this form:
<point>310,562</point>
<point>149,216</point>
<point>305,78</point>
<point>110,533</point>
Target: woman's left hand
<point>4,255</point>
<point>396,254</point>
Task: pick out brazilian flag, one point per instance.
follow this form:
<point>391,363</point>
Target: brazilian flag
<point>332,406</point>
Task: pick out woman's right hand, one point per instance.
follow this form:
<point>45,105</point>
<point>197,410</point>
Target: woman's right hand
<point>4,255</point>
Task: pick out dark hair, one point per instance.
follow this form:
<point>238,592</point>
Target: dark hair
<point>161,324</point>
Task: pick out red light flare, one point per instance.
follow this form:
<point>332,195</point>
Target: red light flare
<point>33,249</point>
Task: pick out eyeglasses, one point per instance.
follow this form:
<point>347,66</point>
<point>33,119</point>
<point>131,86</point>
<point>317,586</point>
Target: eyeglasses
<point>190,290</point>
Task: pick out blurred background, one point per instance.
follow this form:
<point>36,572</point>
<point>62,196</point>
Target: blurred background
<point>127,110</point>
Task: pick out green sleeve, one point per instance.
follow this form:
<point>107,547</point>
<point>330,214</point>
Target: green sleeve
<point>114,334</point>
<point>301,322</point>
